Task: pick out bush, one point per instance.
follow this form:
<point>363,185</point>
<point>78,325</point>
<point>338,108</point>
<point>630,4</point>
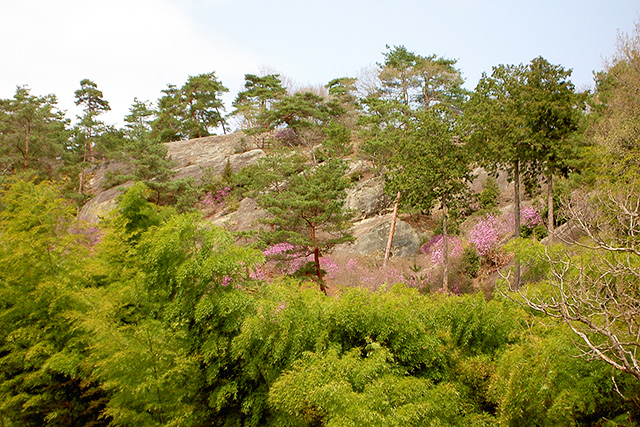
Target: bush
<point>488,197</point>
<point>471,262</point>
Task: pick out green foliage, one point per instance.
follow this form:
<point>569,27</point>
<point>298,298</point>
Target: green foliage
<point>191,111</point>
<point>488,197</point>
<point>309,212</point>
<point>360,387</point>
<point>471,261</point>
<point>227,173</point>
<point>44,377</point>
<point>338,141</point>
<point>540,381</point>
<point>33,133</point>
<point>144,318</point>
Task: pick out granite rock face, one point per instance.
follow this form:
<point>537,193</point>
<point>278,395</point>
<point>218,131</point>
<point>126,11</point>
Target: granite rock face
<point>367,199</point>
<point>371,237</point>
<point>100,206</point>
<point>192,158</point>
<point>245,218</point>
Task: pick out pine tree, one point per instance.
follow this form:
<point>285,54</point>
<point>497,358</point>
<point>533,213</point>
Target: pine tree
<point>308,213</point>
<point>93,104</point>
<point>33,133</point>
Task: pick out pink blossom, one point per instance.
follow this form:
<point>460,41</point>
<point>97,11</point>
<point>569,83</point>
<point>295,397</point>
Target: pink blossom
<point>488,232</point>
<point>258,274</point>
<point>435,248</point>
<point>214,200</point>
<point>279,249</point>
<point>330,266</point>
<point>530,217</point>
<point>226,280</point>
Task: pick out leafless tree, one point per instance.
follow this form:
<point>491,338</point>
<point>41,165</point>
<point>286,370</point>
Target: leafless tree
<point>595,282</point>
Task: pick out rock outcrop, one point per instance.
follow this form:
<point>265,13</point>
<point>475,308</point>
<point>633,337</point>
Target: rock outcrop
<point>367,198</point>
<point>371,237</point>
<point>194,156</point>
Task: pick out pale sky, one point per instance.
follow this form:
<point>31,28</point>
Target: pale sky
<point>134,48</point>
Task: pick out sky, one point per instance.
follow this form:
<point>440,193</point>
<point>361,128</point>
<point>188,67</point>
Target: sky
<point>134,48</point>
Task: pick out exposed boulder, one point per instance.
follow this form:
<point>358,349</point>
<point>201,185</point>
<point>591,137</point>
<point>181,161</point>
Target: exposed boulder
<point>193,156</point>
<point>98,207</point>
<point>367,198</point>
<point>245,218</point>
<point>372,234</point>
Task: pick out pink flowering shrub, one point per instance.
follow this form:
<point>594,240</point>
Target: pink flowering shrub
<point>330,267</point>
<point>286,258</point>
<point>258,273</point>
<point>355,273</point>
<point>434,248</point>
<point>487,233</point>
<point>279,249</point>
<point>530,217</point>
<point>214,200</point>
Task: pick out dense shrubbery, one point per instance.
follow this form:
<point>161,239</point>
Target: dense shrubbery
<point>160,321</point>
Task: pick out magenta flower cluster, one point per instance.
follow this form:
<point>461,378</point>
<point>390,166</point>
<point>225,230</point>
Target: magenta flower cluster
<point>258,273</point>
<point>434,248</point>
<point>283,248</point>
<point>487,233</point>
<point>294,256</point>
<point>530,217</point>
<point>329,266</point>
<point>216,199</point>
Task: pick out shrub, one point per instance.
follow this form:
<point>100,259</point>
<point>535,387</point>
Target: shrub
<point>471,262</point>
<point>488,197</point>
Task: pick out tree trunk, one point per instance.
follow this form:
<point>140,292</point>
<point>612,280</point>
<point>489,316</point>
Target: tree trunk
<point>80,181</point>
<point>392,230</point>
<point>445,248</point>
<point>224,129</point>
<point>316,260</point>
<point>516,190</point>
<point>550,219</point>
<point>25,163</point>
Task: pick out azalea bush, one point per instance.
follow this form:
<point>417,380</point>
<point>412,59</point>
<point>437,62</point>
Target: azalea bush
<point>434,248</point>
<point>532,225</point>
